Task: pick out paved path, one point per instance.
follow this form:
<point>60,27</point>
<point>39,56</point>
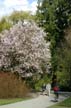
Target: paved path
<point>41,101</point>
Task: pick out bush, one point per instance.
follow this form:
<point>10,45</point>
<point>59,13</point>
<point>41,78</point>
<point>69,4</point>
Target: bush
<point>11,86</point>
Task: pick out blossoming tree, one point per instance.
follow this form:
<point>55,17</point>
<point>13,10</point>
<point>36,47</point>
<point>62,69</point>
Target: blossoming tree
<point>24,49</point>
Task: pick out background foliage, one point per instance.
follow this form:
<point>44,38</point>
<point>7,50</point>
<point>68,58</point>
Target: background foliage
<point>55,17</point>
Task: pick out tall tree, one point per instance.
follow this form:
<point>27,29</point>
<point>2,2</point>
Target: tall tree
<point>55,16</point>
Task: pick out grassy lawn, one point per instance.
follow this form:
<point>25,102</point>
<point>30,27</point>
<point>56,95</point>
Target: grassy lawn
<point>13,100</point>
<point>65,104</point>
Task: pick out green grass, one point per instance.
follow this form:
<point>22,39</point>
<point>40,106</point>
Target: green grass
<point>64,104</point>
<point>13,100</point>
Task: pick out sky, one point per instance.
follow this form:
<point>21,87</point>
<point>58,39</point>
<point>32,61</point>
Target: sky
<point>8,6</point>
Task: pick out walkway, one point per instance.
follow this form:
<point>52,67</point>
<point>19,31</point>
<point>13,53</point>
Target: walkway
<point>42,101</point>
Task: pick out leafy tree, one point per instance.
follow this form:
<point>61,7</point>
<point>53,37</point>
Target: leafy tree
<point>55,16</point>
<point>20,15</point>
<point>4,24</point>
<point>24,49</point>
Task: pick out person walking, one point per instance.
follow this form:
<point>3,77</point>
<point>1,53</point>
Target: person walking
<point>48,88</point>
<point>56,91</point>
<point>55,87</point>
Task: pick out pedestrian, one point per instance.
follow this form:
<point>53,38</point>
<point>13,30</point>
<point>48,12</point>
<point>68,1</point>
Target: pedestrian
<point>55,87</point>
<point>48,88</point>
<point>56,91</point>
